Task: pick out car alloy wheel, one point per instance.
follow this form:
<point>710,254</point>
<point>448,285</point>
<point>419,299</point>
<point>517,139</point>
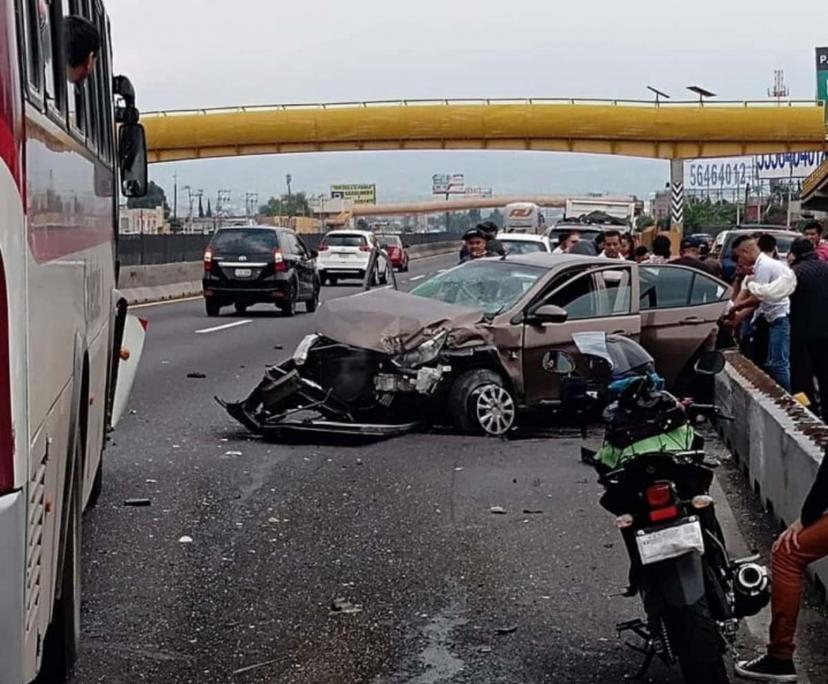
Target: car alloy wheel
<point>494,409</point>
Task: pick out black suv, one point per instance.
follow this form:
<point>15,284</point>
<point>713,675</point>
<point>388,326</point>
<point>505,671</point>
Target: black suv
<point>259,264</point>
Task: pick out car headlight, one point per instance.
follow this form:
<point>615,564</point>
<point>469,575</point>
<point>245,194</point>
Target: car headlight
<point>425,353</point>
<point>301,353</point>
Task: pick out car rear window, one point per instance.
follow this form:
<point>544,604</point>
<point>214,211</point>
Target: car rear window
<point>389,240</point>
<point>344,240</point>
<point>244,240</point>
<point>522,246</point>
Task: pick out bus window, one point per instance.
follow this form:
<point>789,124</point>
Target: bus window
<point>52,50</point>
<point>31,29</point>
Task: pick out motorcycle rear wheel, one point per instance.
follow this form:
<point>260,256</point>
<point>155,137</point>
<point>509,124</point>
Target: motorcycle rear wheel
<point>696,643</point>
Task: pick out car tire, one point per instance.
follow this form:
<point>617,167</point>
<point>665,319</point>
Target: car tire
<point>241,308</point>
<point>213,307</point>
<point>313,303</point>
<point>289,306</point>
<point>480,403</point>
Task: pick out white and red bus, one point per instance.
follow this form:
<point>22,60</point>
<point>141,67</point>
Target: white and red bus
<point>62,321</point>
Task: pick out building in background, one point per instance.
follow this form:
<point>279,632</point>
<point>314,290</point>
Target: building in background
<point>142,221</point>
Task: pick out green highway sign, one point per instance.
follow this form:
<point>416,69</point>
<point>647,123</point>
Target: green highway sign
<point>822,73</point>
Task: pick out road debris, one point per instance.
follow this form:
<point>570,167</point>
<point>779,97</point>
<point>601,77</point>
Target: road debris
<point>532,511</point>
<point>185,540</point>
<point>484,649</point>
<point>258,666</point>
<point>497,510</point>
<point>341,605</point>
<point>137,502</point>
<point>233,453</point>
<point>197,376</point>
<point>509,629</point>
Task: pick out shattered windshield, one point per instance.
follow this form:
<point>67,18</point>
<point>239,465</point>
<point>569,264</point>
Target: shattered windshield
<point>491,286</point>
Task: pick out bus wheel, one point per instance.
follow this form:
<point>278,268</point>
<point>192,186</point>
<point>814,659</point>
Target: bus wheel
<point>60,648</point>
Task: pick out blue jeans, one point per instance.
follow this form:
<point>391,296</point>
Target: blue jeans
<point>778,364</point>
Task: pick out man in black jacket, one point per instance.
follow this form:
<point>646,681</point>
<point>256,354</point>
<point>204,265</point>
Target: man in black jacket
<point>809,324</point>
<point>803,543</point>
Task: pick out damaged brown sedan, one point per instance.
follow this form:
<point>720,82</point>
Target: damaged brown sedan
<point>476,345</point>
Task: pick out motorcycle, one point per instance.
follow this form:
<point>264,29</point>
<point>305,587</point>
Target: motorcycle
<point>656,478</point>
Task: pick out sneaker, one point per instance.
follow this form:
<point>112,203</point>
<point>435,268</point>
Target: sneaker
<point>767,669</point>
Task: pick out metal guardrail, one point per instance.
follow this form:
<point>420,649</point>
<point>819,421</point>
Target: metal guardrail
<point>491,101</point>
<point>149,250</point>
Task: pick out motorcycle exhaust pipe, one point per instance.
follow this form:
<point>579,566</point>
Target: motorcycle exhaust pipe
<point>751,579</point>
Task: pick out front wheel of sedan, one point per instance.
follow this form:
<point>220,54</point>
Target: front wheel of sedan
<point>480,402</point>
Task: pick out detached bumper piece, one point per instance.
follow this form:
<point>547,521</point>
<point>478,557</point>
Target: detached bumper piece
<point>285,403</point>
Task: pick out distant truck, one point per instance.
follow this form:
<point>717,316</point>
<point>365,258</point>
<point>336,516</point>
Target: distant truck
<point>523,217</point>
<point>621,210</point>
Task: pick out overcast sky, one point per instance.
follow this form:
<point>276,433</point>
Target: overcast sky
<point>204,53</point>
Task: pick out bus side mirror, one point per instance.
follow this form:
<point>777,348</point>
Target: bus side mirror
<point>132,157</point>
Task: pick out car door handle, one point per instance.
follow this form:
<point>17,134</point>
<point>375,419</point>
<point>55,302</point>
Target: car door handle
<point>691,320</point>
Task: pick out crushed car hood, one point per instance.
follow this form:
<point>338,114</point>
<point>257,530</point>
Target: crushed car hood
<point>392,322</point>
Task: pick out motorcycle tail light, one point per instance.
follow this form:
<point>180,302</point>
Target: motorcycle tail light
<point>702,501</point>
<point>662,514</point>
<point>659,495</point>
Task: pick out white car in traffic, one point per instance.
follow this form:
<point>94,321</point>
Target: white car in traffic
<point>523,243</point>
<point>347,254</point>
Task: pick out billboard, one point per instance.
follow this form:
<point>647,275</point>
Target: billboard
<point>736,172</point>
<point>789,164</point>
<point>359,193</point>
<point>477,191</point>
<point>448,184</point>
<point>718,174</point>
<point>822,73</point>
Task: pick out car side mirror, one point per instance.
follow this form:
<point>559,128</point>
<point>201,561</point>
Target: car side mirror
<point>548,313</point>
<point>559,363</point>
<point>132,157</point>
<point>710,363</point>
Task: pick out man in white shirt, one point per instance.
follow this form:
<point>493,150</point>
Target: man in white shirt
<point>774,310</point>
<point>612,246</point>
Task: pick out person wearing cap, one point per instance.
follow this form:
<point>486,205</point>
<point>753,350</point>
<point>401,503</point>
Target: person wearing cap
<point>476,245</point>
<point>489,231</point>
<point>689,252</point>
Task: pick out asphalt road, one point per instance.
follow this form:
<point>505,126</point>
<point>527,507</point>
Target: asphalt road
<point>436,587</point>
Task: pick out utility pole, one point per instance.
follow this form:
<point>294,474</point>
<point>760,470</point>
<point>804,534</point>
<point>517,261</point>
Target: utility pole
<point>250,198</point>
<point>175,195</point>
<point>779,89</point>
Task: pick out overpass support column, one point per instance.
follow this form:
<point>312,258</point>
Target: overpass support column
<point>677,196</point>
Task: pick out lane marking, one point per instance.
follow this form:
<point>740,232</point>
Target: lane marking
<point>166,301</point>
<point>419,277</point>
<point>227,326</point>
<point>442,270</point>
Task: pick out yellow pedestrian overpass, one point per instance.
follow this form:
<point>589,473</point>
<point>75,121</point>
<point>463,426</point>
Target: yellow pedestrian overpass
<point>674,130</point>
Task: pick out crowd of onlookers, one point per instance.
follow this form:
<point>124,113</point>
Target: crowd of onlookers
<point>778,314</point>
<point>779,310</point>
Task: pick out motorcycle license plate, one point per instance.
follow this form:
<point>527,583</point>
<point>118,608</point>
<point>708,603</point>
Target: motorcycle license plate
<point>670,542</point>
<point>244,272</point>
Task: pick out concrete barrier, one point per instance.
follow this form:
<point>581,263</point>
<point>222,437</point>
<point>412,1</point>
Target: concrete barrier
<point>144,284</point>
<point>777,442</point>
